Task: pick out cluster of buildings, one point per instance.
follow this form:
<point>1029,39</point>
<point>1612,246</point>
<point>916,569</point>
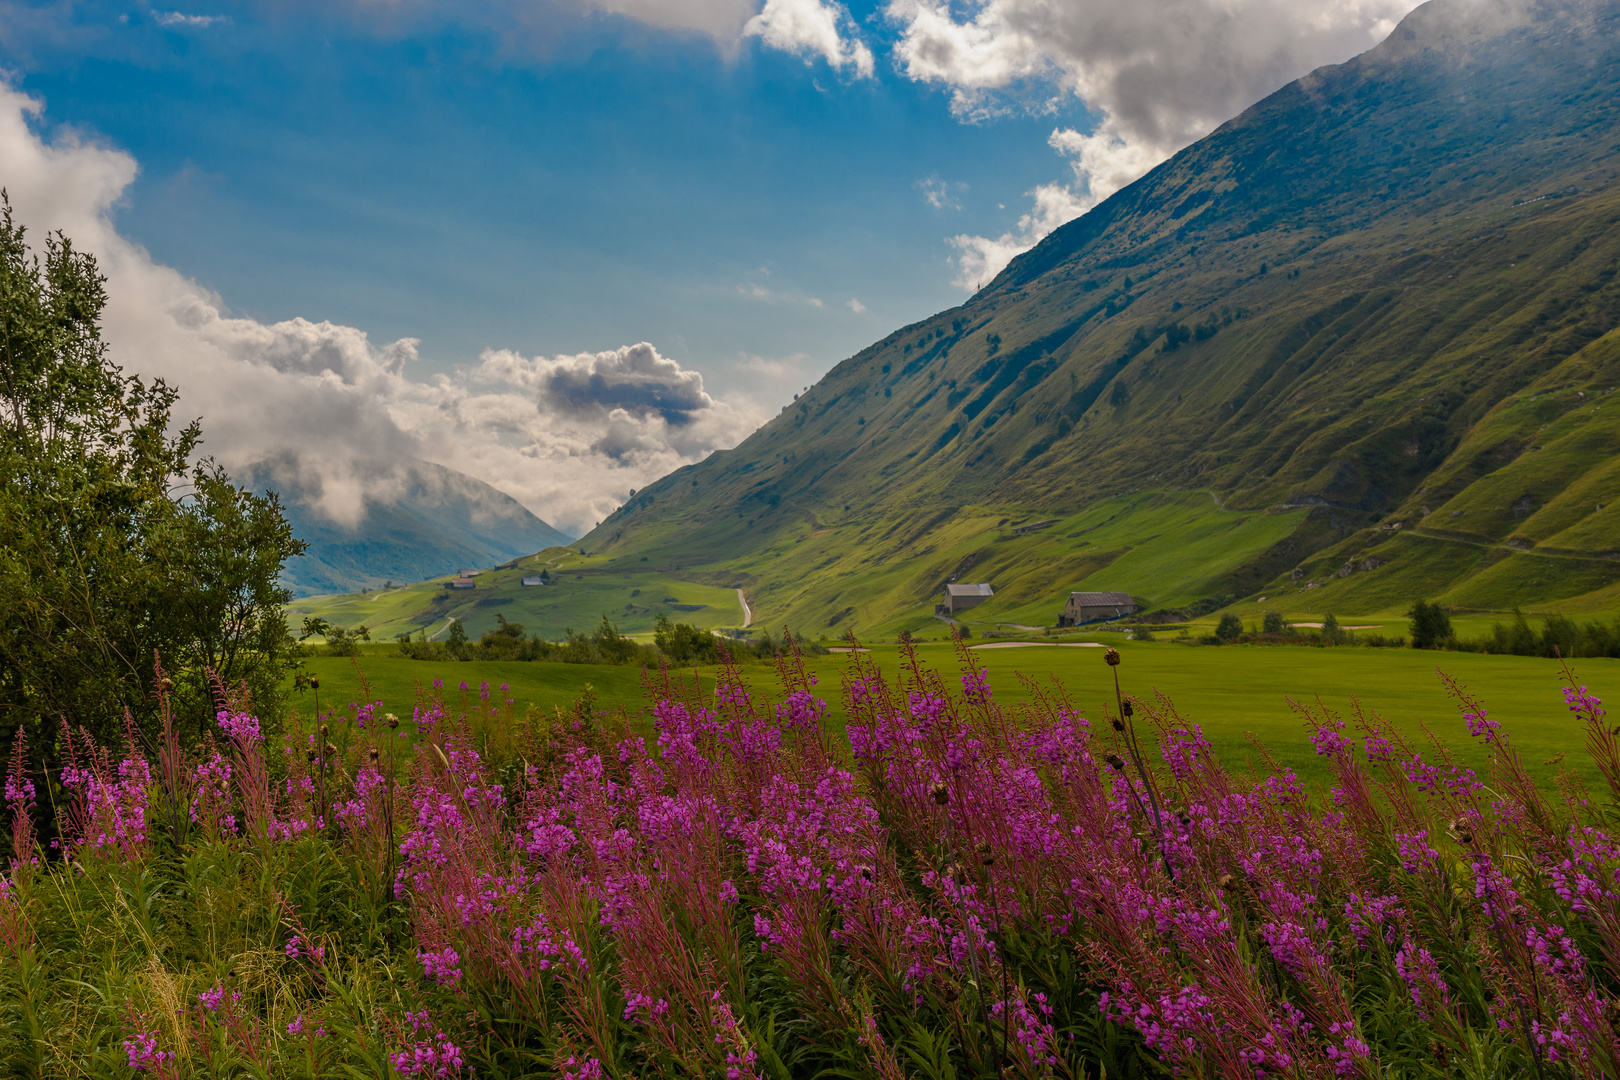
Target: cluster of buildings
<point>1081,608</point>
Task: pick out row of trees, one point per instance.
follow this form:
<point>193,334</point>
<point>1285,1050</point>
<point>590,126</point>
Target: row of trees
<point>118,545</point>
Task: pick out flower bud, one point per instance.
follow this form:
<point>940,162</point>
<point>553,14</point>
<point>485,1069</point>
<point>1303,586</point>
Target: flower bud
<point>314,684</point>
<point>1116,762</point>
<point>1111,657</point>
<point>392,721</point>
<point>940,794</point>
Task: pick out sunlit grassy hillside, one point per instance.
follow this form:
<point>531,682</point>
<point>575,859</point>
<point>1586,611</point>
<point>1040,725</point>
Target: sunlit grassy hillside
<point>1382,291</point>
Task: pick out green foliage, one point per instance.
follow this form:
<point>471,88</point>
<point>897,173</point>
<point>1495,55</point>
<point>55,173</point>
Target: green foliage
<point>1230,628</point>
<point>1274,623</point>
<point>683,643</point>
<point>116,547</point>
<point>1431,626</point>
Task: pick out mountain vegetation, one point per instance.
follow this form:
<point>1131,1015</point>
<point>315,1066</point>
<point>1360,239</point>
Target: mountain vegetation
<point>1364,333</point>
<point>118,548</point>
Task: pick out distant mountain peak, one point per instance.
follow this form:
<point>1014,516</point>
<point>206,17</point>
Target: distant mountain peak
<point>402,520</point>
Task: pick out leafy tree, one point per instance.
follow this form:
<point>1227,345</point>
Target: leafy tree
<point>455,641</point>
<point>1431,626</point>
<point>1229,629</point>
<point>1332,632</point>
<point>683,643</point>
<point>1275,623</point>
<point>116,546</point>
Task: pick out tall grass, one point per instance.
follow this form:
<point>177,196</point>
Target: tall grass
<point>963,889</point>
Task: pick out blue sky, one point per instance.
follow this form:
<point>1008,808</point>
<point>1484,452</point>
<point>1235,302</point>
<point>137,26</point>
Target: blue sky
<point>628,186</point>
<point>428,216</point>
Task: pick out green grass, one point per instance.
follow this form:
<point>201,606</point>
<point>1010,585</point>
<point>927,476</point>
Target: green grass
<point>631,593</point>
<point>1232,691</point>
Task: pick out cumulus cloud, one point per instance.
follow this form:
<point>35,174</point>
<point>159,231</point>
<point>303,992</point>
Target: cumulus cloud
<point>559,434</point>
<point>856,306</point>
<point>811,28</point>
<point>1156,75</point>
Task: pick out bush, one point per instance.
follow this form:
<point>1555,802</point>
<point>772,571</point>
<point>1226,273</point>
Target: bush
<point>1431,626</point>
<point>1274,623</point>
<point>1229,629</point>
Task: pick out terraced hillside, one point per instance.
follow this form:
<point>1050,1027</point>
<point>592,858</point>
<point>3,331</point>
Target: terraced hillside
<point>1359,299</point>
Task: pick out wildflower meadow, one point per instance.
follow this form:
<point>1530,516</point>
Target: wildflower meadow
<point>961,889</point>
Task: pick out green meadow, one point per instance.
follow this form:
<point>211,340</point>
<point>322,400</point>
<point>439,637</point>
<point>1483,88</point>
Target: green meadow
<point>1238,694</point>
<point>633,594</point>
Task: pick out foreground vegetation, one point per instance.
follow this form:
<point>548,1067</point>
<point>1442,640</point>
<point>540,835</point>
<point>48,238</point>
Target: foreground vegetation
<point>964,887</point>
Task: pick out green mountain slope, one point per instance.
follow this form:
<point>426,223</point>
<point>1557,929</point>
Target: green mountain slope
<point>1362,297</point>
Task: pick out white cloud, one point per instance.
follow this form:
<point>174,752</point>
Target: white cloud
<point>1157,75</point>
<point>198,22</point>
<point>856,306</point>
<point>722,20</point>
<point>937,193</point>
<point>811,28</point>
<point>559,434</point>
<point>980,258</point>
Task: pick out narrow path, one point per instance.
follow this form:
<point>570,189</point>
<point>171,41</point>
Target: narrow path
<point>435,635</point>
<point>748,616</point>
<point>1538,552</point>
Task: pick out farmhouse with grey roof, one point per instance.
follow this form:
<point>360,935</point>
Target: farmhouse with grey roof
<point>1085,607</point>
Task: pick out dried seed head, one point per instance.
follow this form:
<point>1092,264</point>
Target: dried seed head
<point>324,731</point>
<point>1184,817</point>
<point>866,873</point>
<point>1119,725</point>
<point>1127,708</point>
<point>314,684</point>
<point>982,850</point>
<point>1116,761</point>
<point>1226,882</point>
<point>372,755</point>
<point>940,794</point>
<point>312,757</point>
<point>166,685</point>
<point>392,721</point>
<point>1462,831</point>
<point>1111,657</point>
<point>331,751</point>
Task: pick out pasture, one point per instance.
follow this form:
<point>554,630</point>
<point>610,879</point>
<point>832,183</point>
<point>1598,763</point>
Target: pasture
<point>1233,692</point>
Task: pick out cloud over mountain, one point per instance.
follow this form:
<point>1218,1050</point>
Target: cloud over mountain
<point>566,436</point>
<point>1156,75</point>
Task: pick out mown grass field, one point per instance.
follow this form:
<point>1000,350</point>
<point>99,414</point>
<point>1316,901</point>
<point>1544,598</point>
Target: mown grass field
<point>1233,692</point>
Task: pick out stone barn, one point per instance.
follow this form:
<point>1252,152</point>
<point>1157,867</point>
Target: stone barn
<point>962,597</point>
<point>1086,607</point>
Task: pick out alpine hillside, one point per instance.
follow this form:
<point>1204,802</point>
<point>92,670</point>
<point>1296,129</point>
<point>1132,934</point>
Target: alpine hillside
<point>1353,347</point>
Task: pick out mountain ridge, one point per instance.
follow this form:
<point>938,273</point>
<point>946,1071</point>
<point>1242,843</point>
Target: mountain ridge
<point>1311,311</point>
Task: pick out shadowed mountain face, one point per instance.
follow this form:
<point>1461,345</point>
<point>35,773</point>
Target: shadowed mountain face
<point>409,521</point>
<point>1338,305</point>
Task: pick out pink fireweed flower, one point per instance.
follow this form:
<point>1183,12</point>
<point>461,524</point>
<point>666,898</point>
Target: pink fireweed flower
<point>443,966</point>
<point>430,1055</point>
<point>141,1050</point>
<point>241,727</point>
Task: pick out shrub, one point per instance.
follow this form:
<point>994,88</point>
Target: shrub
<point>1431,626</point>
<point>1229,629</point>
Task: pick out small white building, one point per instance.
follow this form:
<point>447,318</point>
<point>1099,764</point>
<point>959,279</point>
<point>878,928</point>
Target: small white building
<point>1086,607</point>
<point>464,583</point>
<point>962,597</point>
<point>533,581</point>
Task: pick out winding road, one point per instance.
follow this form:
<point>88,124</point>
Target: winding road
<point>748,616</point>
